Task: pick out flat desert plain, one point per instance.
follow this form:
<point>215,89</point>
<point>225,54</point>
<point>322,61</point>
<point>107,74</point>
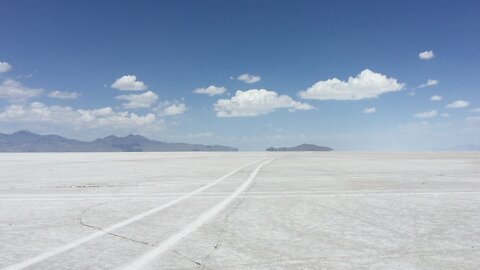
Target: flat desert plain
<point>245,210</point>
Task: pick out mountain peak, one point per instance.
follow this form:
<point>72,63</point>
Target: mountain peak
<point>134,136</point>
<point>25,132</point>
<point>110,137</point>
<point>26,141</point>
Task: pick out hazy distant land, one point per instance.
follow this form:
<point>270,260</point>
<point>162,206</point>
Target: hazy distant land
<point>26,141</point>
<point>301,147</point>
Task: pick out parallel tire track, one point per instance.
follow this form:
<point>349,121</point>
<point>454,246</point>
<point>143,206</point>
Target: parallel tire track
<point>107,230</point>
<point>148,257</point>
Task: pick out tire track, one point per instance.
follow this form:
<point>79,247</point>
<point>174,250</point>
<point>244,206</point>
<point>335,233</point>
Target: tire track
<point>92,236</point>
<point>148,257</point>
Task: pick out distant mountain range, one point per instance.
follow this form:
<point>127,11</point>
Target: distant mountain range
<point>26,141</point>
<point>301,147</point>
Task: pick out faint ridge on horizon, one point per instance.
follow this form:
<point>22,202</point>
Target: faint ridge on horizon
<point>27,141</point>
<point>301,147</point>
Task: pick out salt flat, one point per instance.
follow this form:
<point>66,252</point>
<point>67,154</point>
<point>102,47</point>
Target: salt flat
<point>246,210</point>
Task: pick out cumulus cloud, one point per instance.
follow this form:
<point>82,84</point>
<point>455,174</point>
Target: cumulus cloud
<point>370,110</point>
<point>367,84</point>
<point>212,90</point>
<point>248,78</point>
<point>475,110</point>
<point>429,114</point>
<point>457,104</point>
<point>436,98</point>
<point>175,109</point>
<point>167,109</point>
<point>129,82</point>
<point>63,95</point>
<point>429,82</point>
<point>255,102</point>
<point>14,91</point>
<point>36,112</point>
<point>4,67</point>
<point>135,101</point>
<point>445,115</point>
<point>426,55</point>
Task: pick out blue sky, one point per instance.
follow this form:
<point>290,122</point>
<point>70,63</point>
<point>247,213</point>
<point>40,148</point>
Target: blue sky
<point>60,62</point>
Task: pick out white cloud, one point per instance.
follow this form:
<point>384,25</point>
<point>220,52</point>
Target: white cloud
<point>426,114</point>
<point>4,67</point>
<point>135,101</point>
<point>168,109</point>
<point>445,115</point>
<point>63,95</point>
<point>473,119</point>
<point>370,110</point>
<point>14,91</point>
<point>475,110</point>
<point>458,104</point>
<point>129,82</point>
<point>426,55</point>
<point>367,84</point>
<point>36,112</point>
<point>436,98</point>
<point>212,90</point>
<point>248,78</point>
<point>429,82</point>
<point>255,102</point>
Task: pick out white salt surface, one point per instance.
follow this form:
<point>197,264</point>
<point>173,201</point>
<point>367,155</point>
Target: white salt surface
<point>240,211</point>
